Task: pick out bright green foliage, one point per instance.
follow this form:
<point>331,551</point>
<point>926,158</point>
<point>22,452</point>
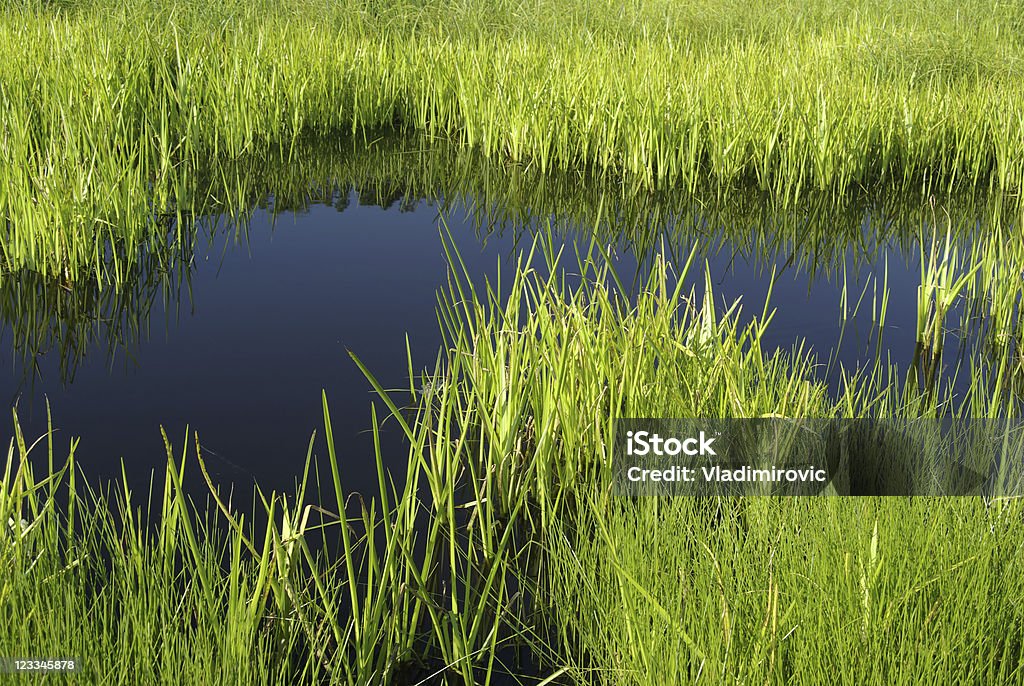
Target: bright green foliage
<point>119,125</point>
<point>789,591</point>
<point>86,575</point>
<point>502,532</point>
<point>107,109</point>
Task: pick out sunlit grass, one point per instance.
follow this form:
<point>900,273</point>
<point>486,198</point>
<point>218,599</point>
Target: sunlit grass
<point>501,534</point>
<point>120,125</point>
<point>109,109</point>
<point>110,303</point>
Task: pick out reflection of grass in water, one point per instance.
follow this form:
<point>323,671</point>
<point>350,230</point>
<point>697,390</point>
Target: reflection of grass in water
<point>816,237</point>
<point>47,317</point>
<point>110,109</point>
<point>503,532</point>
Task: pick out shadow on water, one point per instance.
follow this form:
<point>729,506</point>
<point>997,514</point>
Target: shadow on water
<point>247,297</point>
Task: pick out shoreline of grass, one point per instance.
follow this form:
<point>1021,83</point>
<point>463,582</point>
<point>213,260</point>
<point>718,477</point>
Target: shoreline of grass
<point>105,108</point>
<point>108,300</point>
<point>504,536</point>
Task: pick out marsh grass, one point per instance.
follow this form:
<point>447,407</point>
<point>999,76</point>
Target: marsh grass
<point>753,590</point>
<point>500,534</point>
<point>109,110</point>
<point>87,575</point>
<point>121,125</point>
<point>788,590</point>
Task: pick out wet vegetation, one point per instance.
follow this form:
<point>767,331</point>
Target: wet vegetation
<point>111,108</point>
<point>131,137</point>
<point>504,540</point>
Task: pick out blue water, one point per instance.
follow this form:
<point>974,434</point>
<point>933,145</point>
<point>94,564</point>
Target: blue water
<point>242,349</point>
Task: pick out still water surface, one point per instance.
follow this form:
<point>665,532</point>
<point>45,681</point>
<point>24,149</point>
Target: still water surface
<point>240,348</point>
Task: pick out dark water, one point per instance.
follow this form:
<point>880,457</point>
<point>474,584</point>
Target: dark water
<point>239,345</point>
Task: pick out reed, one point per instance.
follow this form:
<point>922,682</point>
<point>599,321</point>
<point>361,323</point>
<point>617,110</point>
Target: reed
<point>109,109</point>
<point>500,535</point>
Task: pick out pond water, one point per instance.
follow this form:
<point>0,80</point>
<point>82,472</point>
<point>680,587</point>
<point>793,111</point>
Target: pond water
<point>240,339</point>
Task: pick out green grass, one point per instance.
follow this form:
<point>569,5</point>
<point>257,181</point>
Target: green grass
<point>502,533</point>
<point>88,576</point>
<point>794,591</point>
<point>109,110</point>
<point>120,126</point>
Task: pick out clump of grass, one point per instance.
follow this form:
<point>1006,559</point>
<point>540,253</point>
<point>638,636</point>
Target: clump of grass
<point>677,590</point>
<point>866,590</point>
<point>502,533</point>
<point>89,575</point>
<point>132,100</point>
<point>942,282</point>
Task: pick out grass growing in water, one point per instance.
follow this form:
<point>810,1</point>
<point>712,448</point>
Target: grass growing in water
<point>108,116</point>
<point>107,109</point>
<point>503,532</point>
<point>814,237</point>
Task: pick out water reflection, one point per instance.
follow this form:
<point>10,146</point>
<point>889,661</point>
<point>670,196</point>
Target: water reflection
<point>65,322</point>
<point>243,304</point>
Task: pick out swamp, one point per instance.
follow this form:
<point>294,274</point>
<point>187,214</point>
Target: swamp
<point>327,321</point>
